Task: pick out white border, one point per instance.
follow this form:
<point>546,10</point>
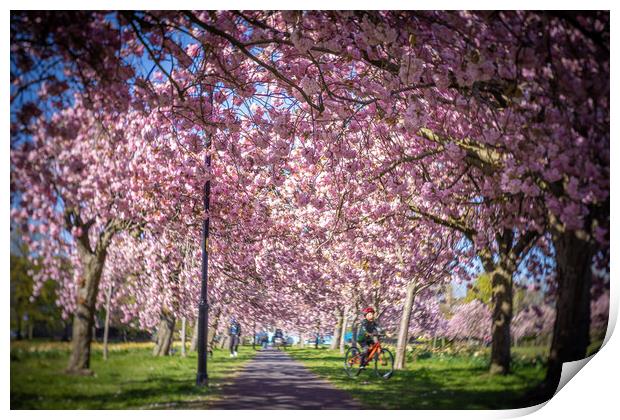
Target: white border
<point>317,4</point>
<point>592,394</point>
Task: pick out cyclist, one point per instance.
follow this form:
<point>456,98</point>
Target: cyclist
<point>367,333</point>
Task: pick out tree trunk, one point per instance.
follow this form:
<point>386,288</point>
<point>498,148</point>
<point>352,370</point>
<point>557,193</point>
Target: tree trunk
<point>343,334</point>
<point>354,328</point>
<point>502,315</point>
<point>318,331</point>
<point>106,326</point>
<point>225,342</point>
<point>301,340</point>
<point>403,330</point>
<point>84,315</point>
<point>337,330</point>
<point>571,330</point>
<point>194,343</point>
<point>254,337</point>
<point>165,334</point>
<point>211,332</point>
<point>19,326</point>
<point>183,325</point>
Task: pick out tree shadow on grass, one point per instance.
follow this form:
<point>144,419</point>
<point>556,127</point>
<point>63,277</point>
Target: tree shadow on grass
<point>425,388</point>
<point>126,381</point>
<point>141,393</point>
<point>156,389</point>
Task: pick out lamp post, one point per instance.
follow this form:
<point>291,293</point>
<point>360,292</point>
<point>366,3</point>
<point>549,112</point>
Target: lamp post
<point>202,378</point>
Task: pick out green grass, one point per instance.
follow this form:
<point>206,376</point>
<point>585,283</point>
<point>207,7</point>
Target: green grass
<point>435,382</point>
<point>131,378</point>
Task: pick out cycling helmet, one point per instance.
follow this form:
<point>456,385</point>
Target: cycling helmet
<point>368,310</point>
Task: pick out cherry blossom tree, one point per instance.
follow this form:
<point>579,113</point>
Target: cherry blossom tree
<point>533,321</point>
<point>468,322</point>
<point>327,124</point>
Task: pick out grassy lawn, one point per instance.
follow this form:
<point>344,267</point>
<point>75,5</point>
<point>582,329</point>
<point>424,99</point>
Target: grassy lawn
<point>131,378</point>
<point>434,382</point>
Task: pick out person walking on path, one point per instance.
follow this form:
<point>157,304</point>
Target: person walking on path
<point>278,338</point>
<point>235,336</point>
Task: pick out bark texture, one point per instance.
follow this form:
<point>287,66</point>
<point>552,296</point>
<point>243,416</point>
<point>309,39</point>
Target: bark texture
<point>335,343</point>
<point>403,329</point>
<point>343,334</point>
<point>106,327</point>
<point>183,327</point>
<point>84,315</point>
<point>212,330</point>
<point>92,261</point>
<point>165,334</point>
<point>194,342</point>
<point>501,280</point>
<point>501,270</point>
<point>571,331</point>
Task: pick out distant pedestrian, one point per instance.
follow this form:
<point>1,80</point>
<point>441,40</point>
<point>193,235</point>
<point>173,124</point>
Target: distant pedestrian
<point>278,338</point>
<point>235,336</point>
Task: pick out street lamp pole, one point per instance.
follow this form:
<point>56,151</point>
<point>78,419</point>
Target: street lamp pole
<point>202,378</point>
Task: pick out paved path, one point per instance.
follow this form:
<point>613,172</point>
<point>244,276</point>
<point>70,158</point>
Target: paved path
<point>273,380</point>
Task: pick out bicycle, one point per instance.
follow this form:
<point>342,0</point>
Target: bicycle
<point>383,358</point>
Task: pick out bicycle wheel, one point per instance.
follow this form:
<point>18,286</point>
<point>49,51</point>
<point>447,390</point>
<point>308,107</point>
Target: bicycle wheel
<point>352,362</point>
<point>384,364</point>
